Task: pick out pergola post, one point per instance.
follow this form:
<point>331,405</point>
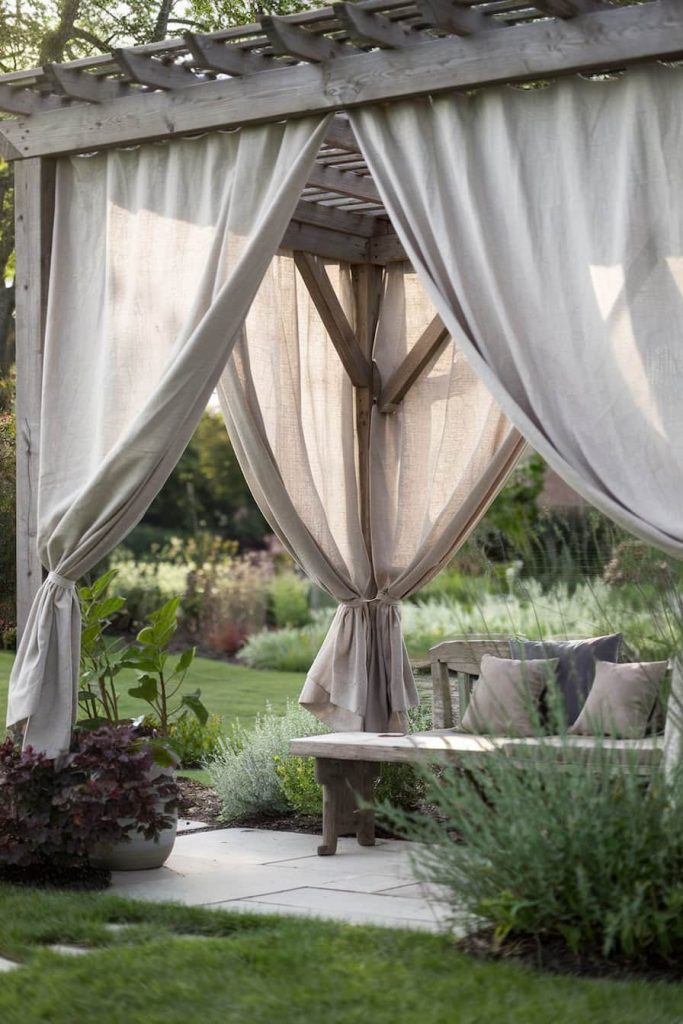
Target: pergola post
<point>34,205</point>
<point>367,293</point>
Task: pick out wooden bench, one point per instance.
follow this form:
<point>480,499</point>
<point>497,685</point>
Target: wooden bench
<point>347,765</point>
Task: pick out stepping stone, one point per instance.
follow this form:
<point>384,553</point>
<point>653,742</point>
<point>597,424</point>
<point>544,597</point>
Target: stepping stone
<point>7,965</point>
<point>68,950</point>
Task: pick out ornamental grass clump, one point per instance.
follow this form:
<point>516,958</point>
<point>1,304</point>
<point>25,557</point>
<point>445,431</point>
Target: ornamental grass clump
<point>590,855</point>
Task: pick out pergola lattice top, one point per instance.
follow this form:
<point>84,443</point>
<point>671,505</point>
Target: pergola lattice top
<point>325,59</point>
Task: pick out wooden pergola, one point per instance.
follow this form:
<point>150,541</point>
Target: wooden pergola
<point>326,60</point>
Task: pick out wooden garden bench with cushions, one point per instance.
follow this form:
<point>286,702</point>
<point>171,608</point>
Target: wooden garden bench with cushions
<point>348,764</point>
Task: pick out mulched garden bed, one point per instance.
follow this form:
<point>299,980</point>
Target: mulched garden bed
<point>552,954</point>
<point>201,803</point>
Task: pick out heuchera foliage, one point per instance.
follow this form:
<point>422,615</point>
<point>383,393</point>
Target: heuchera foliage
<point>53,812</point>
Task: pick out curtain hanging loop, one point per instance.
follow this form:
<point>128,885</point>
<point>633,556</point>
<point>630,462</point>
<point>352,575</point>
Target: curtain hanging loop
<point>360,602</point>
<point>61,581</point>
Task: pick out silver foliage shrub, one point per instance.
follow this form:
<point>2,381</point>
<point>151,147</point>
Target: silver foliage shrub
<point>244,772</point>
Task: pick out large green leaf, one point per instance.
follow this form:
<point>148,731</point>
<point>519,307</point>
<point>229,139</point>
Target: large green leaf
<point>162,753</point>
<point>185,660</point>
<point>147,689</point>
<point>108,607</point>
<point>192,701</point>
<point>100,585</point>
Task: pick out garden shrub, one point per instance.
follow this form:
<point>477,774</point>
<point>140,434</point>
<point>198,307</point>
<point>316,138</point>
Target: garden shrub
<point>226,601</point>
<point>244,772</point>
<point>594,857</point>
<point>288,595</point>
<point>287,650</point>
<point>194,742</point>
<point>400,784</point>
<point>145,586</point>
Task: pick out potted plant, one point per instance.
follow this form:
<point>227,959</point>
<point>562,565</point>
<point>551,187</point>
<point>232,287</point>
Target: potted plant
<point>56,813</point>
<point>159,682</point>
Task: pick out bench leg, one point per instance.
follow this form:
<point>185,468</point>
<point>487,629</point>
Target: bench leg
<point>343,783</point>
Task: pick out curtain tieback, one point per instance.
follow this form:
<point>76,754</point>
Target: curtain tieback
<point>360,602</point>
<point>61,581</point>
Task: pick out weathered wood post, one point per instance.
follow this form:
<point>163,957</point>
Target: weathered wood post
<point>34,211</point>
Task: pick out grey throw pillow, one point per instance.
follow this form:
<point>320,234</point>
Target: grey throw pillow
<point>576,668</point>
<point>621,700</point>
<point>505,699</point>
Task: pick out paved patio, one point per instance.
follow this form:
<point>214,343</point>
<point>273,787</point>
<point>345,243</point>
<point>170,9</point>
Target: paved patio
<point>280,872</point>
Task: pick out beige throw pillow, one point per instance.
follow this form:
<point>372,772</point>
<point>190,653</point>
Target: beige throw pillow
<point>621,699</point>
<point>505,699</point>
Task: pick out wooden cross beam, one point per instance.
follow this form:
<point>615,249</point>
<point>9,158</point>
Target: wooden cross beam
<point>423,353</point>
<point>342,334</point>
<point>614,38</point>
<point>24,101</point>
<point>288,39</point>
<point>83,85</point>
<point>449,16</point>
<point>376,29</point>
<point>345,183</point>
<point>570,8</point>
<point>224,57</point>
<point>154,72</point>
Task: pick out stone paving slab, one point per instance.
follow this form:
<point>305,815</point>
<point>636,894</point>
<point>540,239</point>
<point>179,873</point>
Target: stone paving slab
<point>280,872</point>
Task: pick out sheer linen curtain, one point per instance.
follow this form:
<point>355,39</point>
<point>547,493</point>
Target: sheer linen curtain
<point>435,465</point>
<point>158,252</point>
<point>547,226</point>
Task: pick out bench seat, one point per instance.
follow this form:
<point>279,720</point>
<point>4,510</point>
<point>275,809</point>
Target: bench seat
<point>348,763</point>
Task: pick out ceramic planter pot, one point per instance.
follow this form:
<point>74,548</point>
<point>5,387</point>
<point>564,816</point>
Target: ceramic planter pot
<point>138,853</point>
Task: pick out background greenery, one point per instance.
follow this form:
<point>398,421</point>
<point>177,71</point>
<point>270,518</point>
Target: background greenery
<point>233,691</point>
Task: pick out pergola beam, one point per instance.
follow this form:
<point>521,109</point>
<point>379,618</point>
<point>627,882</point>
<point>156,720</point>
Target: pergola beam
<point>375,28</point>
<point>449,16</point>
<point>570,8</point>
<point>25,101</point>
<point>223,57</point>
<point>83,85</point>
<point>612,38</point>
<point>288,39</point>
<point>345,183</point>
<point>421,356</point>
<point>336,323</point>
<point>153,72</point>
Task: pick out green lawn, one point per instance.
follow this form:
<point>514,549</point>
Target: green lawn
<point>261,970</point>
<point>232,691</point>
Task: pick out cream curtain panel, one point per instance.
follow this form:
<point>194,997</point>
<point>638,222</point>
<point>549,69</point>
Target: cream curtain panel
<point>435,465</point>
<point>158,252</point>
<point>547,226</point>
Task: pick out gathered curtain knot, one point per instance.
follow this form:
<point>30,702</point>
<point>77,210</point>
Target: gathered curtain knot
<point>359,602</point>
<point>61,581</point>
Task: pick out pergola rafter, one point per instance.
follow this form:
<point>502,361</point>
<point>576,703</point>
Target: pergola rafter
<point>327,60</point>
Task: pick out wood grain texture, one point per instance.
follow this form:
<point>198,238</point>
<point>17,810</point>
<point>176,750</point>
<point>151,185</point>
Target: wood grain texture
<point>368,282</point>
<point>342,334</point>
<point>614,38</point>
<point>346,183</point>
<point>329,244</point>
<point>34,212</point>
<point>421,356</point>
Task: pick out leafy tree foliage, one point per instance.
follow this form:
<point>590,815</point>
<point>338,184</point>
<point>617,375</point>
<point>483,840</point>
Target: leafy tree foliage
<point>207,492</point>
